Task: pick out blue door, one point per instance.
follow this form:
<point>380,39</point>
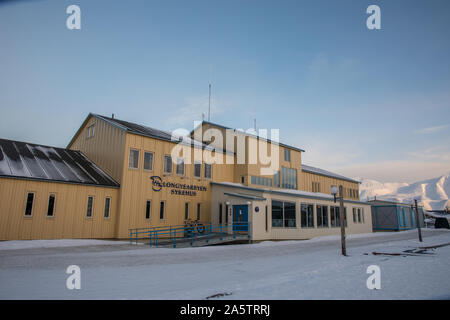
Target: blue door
<point>240,218</point>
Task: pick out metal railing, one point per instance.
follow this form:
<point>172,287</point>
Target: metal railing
<point>189,234</point>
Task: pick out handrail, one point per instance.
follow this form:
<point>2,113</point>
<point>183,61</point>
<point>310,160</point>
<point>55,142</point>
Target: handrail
<point>187,232</point>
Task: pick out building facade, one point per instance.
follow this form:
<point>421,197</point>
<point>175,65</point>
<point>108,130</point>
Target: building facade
<point>153,186</point>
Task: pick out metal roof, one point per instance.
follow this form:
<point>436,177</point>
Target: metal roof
<point>325,173</point>
<point>37,162</point>
<point>155,133</point>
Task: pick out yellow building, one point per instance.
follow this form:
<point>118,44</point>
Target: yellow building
<point>153,179</point>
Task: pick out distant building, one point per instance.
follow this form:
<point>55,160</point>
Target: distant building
<point>394,216</point>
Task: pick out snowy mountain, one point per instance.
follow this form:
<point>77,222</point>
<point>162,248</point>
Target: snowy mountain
<point>432,193</point>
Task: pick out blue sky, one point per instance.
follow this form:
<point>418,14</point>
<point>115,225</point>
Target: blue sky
<point>364,103</point>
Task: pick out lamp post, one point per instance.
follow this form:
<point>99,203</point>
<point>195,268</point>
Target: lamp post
<point>418,221</point>
<point>334,191</point>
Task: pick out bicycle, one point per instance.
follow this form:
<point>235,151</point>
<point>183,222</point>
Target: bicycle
<point>192,225</point>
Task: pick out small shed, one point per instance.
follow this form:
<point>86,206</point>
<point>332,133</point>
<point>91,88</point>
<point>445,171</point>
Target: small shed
<point>394,216</point>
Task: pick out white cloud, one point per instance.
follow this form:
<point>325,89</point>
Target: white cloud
<point>432,129</point>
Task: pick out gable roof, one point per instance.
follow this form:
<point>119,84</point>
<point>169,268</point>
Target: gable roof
<point>146,131</point>
<point>247,134</point>
<point>37,162</point>
<point>326,173</point>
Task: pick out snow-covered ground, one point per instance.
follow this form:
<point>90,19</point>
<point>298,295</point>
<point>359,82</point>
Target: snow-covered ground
<point>312,269</point>
<point>433,194</point>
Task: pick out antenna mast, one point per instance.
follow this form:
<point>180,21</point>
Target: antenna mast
<point>209,104</point>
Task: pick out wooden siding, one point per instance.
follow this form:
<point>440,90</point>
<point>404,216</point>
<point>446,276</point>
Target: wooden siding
<point>308,178</point>
<point>69,220</point>
<point>105,148</point>
<point>136,187</point>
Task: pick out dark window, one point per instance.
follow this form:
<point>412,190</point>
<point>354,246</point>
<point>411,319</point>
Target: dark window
<point>226,214</point>
<point>242,179</point>
<point>289,215</point>
<point>276,179</point>
<point>161,210</point>
<point>197,170</point>
<point>307,215</point>
<point>208,171</point>
<point>29,205</point>
<point>277,213</point>
<point>133,161</point>
<point>148,161</point>
<point>51,205</point>
<point>220,213</point>
<point>148,207</point>
<point>267,219</point>
<point>198,211</point>
<point>168,164</point>
<point>186,211</point>
<point>90,204</point>
<point>107,205</point>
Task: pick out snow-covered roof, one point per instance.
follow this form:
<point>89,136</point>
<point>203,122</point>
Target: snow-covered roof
<point>326,173</point>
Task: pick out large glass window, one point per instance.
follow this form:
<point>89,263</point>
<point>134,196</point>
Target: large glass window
<point>261,181</point>
<point>133,161</point>
<point>276,179</point>
<point>148,161</point>
<point>289,215</point>
<point>335,216</point>
<point>277,213</point>
<point>322,216</point>
<point>29,204</point>
<point>289,178</point>
<point>307,215</point>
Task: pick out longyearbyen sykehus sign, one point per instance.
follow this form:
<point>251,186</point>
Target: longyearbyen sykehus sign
<point>181,189</point>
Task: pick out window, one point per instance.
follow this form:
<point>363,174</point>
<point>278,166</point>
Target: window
<point>198,211</point>
<point>226,214</point>
<point>335,216</point>
<point>161,210</point>
<point>220,213</point>
<point>307,215</point>
<point>208,171</point>
<point>359,215</point>
<point>133,161</point>
<point>148,161</point>
<point>197,169</point>
<point>261,181</point>
<point>316,187</point>
<point>267,219</point>
<point>167,164</point>
<point>283,214</point>
<point>29,204</point>
<point>90,204</point>
<point>180,167</point>
<point>276,179</point>
<point>242,179</point>
<point>91,131</point>
<point>51,205</point>
<point>277,213</point>
<point>322,216</point>
<point>354,215</point>
<point>107,206</point>
<point>287,155</point>
<point>289,178</point>
<point>148,209</point>
<point>186,211</point>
